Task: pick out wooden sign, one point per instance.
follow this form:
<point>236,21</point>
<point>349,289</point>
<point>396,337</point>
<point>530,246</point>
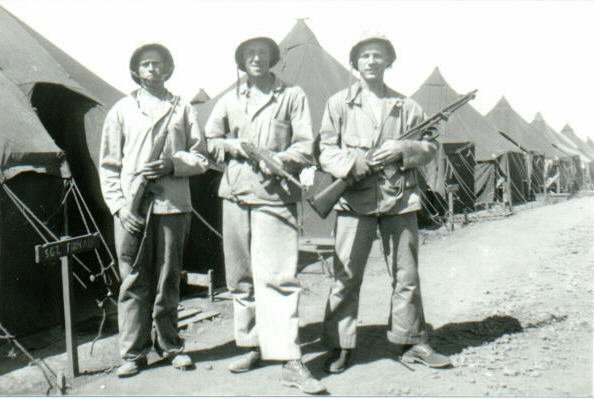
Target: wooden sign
<point>65,247</point>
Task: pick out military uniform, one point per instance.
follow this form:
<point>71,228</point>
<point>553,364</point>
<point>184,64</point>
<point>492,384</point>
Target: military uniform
<point>388,200</point>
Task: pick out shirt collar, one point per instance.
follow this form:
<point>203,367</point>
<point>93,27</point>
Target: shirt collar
<point>140,92</point>
<point>354,95</point>
<point>277,87</point>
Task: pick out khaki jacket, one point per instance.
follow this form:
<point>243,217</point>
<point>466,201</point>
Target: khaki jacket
<point>129,131</point>
<point>349,129</point>
<point>281,124</point>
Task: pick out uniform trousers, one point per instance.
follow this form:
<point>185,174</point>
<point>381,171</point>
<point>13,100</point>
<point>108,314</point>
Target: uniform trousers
<point>149,292</point>
<point>260,245</point>
<point>354,237</point>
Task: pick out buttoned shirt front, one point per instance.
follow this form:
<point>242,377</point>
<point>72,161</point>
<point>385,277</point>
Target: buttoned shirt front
<point>350,128</point>
<point>280,123</point>
<point>129,133</point>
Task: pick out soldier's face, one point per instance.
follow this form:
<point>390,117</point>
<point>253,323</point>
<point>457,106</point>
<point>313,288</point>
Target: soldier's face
<point>372,61</point>
<point>257,59</point>
<point>150,67</point>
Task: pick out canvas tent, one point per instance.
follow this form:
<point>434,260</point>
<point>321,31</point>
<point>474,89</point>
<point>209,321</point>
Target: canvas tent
<point>200,97</point>
<point>53,109</point>
<point>560,171</point>
<point>305,63</point>
<point>586,156</point>
<point>474,155</point>
<point>515,129</point>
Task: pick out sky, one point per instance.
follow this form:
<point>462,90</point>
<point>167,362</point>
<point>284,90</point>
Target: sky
<point>538,54</point>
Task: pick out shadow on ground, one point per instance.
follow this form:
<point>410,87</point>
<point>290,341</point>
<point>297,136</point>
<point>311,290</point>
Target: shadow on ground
<point>51,342</point>
<point>449,339</point>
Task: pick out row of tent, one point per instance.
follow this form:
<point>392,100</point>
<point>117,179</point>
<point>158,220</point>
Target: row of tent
<point>52,111</point>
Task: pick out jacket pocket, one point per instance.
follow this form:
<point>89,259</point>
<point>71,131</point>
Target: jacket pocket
<point>355,141</point>
<point>280,135</point>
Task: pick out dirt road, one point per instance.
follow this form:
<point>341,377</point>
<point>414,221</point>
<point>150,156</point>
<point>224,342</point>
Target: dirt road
<point>509,300</point>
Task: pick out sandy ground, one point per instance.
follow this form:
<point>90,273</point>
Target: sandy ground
<point>510,300</point>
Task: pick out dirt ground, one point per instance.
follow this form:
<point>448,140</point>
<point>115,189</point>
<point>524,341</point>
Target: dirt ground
<point>510,300</point>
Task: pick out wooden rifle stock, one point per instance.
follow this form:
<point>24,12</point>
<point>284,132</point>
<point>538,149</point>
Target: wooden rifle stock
<point>323,202</point>
<point>131,242</point>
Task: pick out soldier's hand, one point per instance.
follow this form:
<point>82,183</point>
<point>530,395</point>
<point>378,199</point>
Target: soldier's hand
<point>360,169</point>
<point>234,149</point>
<point>217,152</point>
<point>266,170</point>
<point>390,151</point>
<point>132,223</point>
<point>159,168</point>
<point>431,132</point>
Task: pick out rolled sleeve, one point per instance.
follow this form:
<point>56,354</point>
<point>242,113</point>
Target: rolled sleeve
<point>334,160</point>
<point>217,126</point>
<point>111,154</point>
<point>302,142</point>
<point>192,161</point>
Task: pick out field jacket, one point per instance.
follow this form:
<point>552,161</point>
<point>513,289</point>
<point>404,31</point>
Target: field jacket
<point>349,128</point>
<point>129,131</point>
<point>281,124</point>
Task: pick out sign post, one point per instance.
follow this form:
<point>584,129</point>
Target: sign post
<point>62,249</point>
<point>451,189</point>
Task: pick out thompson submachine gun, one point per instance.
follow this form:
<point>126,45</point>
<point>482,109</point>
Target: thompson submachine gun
<point>276,168</point>
<point>323,202</point>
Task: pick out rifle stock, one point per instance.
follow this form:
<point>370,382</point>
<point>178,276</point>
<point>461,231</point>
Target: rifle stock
<point>323,202</point>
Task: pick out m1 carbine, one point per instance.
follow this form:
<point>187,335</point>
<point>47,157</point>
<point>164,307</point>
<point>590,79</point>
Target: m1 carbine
<point>323,202</point>
<point>274,166</point>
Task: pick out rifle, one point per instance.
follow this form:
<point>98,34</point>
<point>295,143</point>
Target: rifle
<point>323,202</point>
<point>264,156</point>
<point>131,242</point>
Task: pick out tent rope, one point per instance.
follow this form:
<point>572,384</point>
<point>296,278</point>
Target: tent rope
<point>50,375</point>
<point>111,257</point>
<point>12,196</point>
<point>37,225</point>
<point>79,199</point>
<point>459,179</point>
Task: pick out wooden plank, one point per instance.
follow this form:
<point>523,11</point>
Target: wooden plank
<point>316,245</point>
<point>198,279</point>
<point>185,313</point>
<point>65,246</point>
<point>198,317</point>
<point>317,241</point>
<point>224,295</point>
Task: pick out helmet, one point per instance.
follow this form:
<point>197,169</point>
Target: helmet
<point>369,38</point>
<point>167,59</point>
<point>274,51</point>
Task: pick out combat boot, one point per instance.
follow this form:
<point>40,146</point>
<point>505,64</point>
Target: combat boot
<point>295,374</point>
<point>424,354</point>
<point>131,367</point>
<point>246,362</point>
<point>338,360</point>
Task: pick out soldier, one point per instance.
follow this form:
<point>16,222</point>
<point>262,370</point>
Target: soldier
<point>359,136</point>
<point>260,211</point>
<point>149,293</point>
